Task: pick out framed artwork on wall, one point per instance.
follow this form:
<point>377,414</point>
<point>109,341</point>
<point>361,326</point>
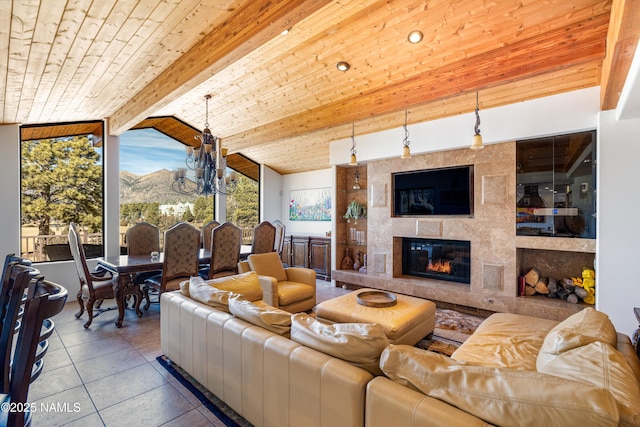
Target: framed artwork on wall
<point>310,205</point>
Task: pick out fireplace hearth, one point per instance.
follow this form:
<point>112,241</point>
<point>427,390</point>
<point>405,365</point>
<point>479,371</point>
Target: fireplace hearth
<point>439,259</point>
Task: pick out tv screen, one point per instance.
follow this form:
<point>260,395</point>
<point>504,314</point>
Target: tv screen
<point>447,191</point>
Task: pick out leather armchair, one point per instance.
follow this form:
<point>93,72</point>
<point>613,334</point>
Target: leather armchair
<point>292,289</point>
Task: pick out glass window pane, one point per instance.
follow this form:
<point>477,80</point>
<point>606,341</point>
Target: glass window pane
<point>556,186</point>
<point>61,182</point>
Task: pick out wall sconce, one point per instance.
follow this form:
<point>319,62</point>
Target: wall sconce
<point>356,184</point>
<point>477,138</point>
<point>406,152</point>
<point>353,160</point>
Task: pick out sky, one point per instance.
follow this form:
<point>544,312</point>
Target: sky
<point>145,151</point>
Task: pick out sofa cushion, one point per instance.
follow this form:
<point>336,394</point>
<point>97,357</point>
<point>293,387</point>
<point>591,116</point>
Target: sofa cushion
<point>582,328</point>
<point>292,292</point>
<point>265,316</point>
<point>268,264</point>
<point>358,343</point>
<point>500,396</point>
<point>600,364</point>
<point>245,284</point>
<point>196,288</point>
<point>506,340</point>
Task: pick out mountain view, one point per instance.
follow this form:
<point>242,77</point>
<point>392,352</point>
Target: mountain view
<point>152,187</point>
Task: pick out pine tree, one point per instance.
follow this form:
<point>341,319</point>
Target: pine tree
<point>61,182</point>
<point>242,206</point>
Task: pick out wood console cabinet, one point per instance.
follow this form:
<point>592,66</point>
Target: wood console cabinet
<point>309,252</point>
<point>300,251</point>
<point>285,256</point>
<point>320,256</point>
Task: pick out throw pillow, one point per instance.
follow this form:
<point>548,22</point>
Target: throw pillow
<point>582,328</point>
<point>500,396</point>
<point>267,317</point>
<point>245,284</point>
<point>600,364</point>
<point>199,290</point>
<point>358,343</point>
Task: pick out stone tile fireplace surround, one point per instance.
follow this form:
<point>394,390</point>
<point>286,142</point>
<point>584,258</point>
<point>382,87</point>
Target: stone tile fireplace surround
<point>498,256</point>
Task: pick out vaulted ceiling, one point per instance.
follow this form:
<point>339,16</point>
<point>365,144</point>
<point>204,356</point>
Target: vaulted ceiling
<point>279,98</point>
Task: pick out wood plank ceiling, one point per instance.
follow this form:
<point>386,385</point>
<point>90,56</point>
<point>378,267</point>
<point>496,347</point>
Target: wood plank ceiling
<point>279,99</point>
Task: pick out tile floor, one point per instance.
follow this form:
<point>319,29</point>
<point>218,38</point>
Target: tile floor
<point>105,376</point>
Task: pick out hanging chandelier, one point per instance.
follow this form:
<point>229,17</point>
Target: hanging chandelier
<point>208,162</point>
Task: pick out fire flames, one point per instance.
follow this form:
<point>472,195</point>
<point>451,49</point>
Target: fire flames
<point>440,267</point>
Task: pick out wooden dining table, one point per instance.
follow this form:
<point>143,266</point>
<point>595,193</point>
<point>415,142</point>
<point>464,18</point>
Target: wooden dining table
<point>125,267</point>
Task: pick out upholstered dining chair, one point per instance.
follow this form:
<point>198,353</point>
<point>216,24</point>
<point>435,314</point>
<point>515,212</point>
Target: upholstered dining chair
<point>280,231</point>
<point>264,238</point>
<point>206,234</point>
<point>142,239</point>
<point>292,289</point>
<point>93,289</point>
<point>181,250</point>
<point>225,251</point>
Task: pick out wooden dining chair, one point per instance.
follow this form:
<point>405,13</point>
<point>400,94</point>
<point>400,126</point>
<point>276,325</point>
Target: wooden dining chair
<point>206,234</point>
<point>93,289</point>
<point>264,238</point>
<point>225,251</point>
<point>181,251</point>
<point>280,231</point>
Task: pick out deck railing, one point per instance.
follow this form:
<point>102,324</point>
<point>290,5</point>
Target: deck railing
<point>33,246</point>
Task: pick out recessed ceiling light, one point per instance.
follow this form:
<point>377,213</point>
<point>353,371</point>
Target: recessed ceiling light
<point>343,66</point>
<point>415,36</point>
<point>285,32</point>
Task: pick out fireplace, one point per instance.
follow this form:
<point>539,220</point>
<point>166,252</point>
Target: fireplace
<point>437,259</point>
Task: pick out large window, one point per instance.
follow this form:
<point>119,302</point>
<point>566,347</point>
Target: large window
<point>61,182</point>
<point>147,161</point>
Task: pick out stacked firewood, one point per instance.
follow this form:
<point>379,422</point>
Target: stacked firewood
<point>571,289</point>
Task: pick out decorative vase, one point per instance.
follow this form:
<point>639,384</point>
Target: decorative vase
<point>347,261</point>
<point>357,264</point>
<point>363,269</point>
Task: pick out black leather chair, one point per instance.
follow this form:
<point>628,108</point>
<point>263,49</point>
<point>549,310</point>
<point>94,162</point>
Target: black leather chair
<point>32,301</point>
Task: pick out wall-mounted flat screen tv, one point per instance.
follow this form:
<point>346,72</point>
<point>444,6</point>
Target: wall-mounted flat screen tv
<point>446,191</point>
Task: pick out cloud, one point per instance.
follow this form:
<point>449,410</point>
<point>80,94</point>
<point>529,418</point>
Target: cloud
<point>145,151</point>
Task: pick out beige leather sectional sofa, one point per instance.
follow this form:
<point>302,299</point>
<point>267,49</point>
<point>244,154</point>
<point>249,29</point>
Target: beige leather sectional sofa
<point>514,370</point>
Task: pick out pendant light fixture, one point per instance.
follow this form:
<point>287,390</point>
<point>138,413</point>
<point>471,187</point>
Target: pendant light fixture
<point>477,138</point>
<point>406,152</point>
<point>353,160</point>
<point>356,184</point>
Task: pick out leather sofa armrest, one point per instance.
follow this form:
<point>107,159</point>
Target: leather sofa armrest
<point>301,275</point>
<point>243,267</point>
<point>389,403</point>
<point>269,287</point>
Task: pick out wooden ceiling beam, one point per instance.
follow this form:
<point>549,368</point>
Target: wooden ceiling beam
<point>253,25</point>
<point>566,47</point>
<point>622,40</point>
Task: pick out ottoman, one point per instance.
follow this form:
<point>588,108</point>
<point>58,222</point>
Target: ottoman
<point>407,322</point>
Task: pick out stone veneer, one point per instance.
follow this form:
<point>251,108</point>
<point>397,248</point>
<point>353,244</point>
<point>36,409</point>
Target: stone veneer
<point>495,249</point>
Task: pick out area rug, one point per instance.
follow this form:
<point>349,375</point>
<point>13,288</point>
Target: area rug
<point>438,344</point>
<point>454,320</point>
<point>465,324</point>
<point>221,410</point>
